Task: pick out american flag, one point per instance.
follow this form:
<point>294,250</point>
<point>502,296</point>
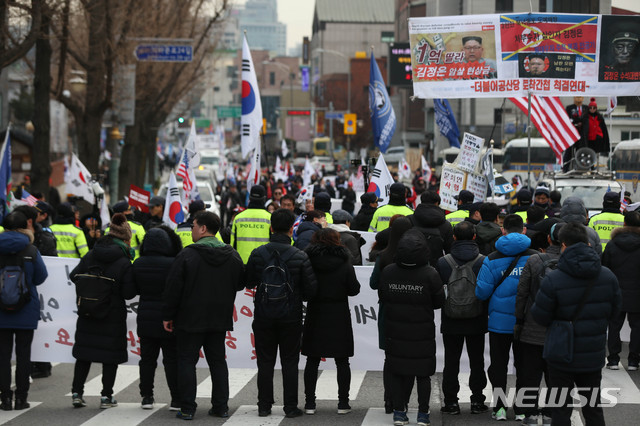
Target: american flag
<point>183,172</point>
<point>551,120</point>
<point>28,198</point>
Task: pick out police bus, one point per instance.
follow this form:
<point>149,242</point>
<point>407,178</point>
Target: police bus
<point>514,159</point>
<point>626,164</point>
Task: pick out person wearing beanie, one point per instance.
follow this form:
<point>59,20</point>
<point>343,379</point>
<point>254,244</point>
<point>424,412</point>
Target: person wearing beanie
<point>397,205</point>
<point>250,228</point>
<point>70,240</point>
<point>104,340</point>
<point>137,230</point>
<point>594,130</point>
<point>369,204</point>
<point>465,199</point>
<point>573,211</point>
<point>609,219</point>
<point>322,202</point>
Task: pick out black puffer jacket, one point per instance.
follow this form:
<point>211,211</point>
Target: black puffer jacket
<point>327,326</point>
<point>201,287</point>
<point>462,252</point>
<point>105,340</point>
<point>528,286</point>
<point>363,218</point>
<point>150,272</point>
<point>299,265</point>
<point>410,291</point>
<point>621,256</point>
<point>306,230</point>
<point>560,294</point>
<point>432,216</point>
<point>487,233</point>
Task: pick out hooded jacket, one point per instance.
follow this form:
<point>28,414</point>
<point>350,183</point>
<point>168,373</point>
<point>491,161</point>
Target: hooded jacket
<point>410,290</point>
<point>150,273</point>
<point>105,340</point>
<point>352,240</point>
<point>573,211</point>
<point>201,287</point>
<point>431,216</point>
<point>306,230</point>
<point>621,256</point>
<point>462,252</point>
<point>487,233</point>
<point>327,326</point>
<point>558,299</point>
<point>14,243</point>
<point>502,298</point>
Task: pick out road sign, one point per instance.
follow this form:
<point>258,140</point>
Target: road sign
<point>350,124</point>
<point>229,111</point>
<point>333,115</point>
<point>164,52</point>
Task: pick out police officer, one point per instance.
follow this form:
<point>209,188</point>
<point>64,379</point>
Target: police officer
<point>610,218</point>
<point>71,241</point>
<point>250,228</point>
<point>397,205</point>
<point>137,230</point>
<point>524,202</point>
<point>465,199</point>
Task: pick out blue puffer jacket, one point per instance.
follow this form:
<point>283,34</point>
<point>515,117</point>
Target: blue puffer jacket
<point>27,317</point>
<point>558,298</point>
<point>502,305</point>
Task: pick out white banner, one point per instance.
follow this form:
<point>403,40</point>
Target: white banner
<point>469,154</point>
<point>476,56</point>
<point>451,183</point>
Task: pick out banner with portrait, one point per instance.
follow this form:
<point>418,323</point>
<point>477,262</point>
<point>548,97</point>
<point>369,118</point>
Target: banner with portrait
<point>514,54</point>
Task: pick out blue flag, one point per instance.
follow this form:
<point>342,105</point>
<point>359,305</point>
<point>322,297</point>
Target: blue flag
<point>383,119</point>
<point>5,176</point>
<point>447,122</point>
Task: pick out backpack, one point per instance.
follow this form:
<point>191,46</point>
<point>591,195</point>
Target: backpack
<point>461,299</point>
<point>434,241</point>
<point>274,295</point>
<point>549,265</point>
<point>14,291</point>
<point>93,291</point>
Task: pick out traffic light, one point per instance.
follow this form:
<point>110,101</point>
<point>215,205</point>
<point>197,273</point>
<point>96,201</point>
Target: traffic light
<point>350,124</point>
<point>180,120</point>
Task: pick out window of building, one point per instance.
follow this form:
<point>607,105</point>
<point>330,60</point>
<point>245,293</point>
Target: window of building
<point>504,6</point>
<point>571,6</point>
<point>272,78</point>
<point>627,135</point>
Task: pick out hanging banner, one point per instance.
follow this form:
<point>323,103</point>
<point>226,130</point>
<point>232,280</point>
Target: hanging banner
<point>512,54</point>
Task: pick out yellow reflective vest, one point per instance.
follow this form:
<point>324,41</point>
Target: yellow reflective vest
<point>70,240</point>
<point>382,216</point>
<point>604,223</point>
<point>137,235</point>
<point>456,217</point>
<point>250,230</point>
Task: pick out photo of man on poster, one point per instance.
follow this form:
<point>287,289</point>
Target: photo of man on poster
<point>474,51</point>
<point>620,49</point>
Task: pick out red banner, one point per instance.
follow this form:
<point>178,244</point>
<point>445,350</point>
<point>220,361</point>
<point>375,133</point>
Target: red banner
<point>139,198</point>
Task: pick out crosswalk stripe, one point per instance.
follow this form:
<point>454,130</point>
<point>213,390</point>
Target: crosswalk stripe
<point>7,416</point>
<point>126,375</point>
<point>628,392</point>
<point>247,415</point>
<point>123,414</point>
<point>327,385</point>
<point>238,379</point>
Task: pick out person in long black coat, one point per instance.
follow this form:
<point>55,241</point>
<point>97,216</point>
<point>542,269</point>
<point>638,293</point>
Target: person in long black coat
<point>410,291</point>
<point>105,340</point>
<point>158,251</point>
<point>327,327</point>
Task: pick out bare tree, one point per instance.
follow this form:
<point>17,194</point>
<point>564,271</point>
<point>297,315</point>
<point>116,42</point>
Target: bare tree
<point>14,45</point>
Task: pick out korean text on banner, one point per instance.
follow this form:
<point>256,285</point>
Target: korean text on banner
<point>475,56</point>
<point>451,183</point>
<point>469,155</point>
<point>139,198</point>
<point>477,184</point>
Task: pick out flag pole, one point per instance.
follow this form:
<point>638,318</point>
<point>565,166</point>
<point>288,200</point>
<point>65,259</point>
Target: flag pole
<point>610,141</point>
<point>529,140</point>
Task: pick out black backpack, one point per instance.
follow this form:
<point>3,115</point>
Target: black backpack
<point>14,291</point>
<point>274,295</point>
<point>461,299</point>
<point>93,291</point>
<point>434,241</point>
